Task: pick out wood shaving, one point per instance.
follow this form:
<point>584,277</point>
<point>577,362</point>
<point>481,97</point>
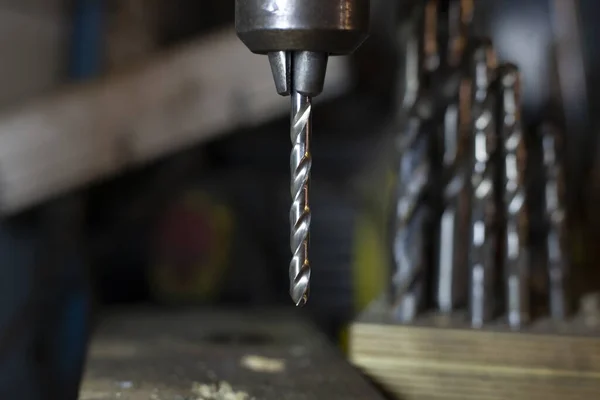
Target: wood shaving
<point>263,364</point>
<point>220,391</point>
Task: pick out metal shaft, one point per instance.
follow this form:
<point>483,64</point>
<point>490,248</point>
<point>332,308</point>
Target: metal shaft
<point>452,259</point>
<point>516,253</point>
<point>408,281</point>
<point>483,238</point>
<point>409,272</point>
<point>557,257</point>
<point>300,214</point>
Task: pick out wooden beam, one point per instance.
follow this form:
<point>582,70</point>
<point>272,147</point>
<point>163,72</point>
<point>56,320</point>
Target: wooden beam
<point>438,359</point>
<point>94,131</point>
<point>264,354</point>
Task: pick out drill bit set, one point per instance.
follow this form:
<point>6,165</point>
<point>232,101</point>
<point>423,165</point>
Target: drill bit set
<point>461,227</point>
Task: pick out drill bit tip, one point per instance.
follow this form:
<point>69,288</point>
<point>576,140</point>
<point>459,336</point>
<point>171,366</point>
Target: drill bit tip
<point>299,290</point>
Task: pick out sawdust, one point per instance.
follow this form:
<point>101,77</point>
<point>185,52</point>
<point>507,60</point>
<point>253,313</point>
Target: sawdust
<point>220,391</point>
<point>263,364</point>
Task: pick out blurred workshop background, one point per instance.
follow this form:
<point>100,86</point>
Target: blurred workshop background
<point>144,161</point>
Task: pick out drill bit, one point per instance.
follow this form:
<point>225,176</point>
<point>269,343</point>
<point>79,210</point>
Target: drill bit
<point>408,282</point>
<point>413,142</point>
<point>300,166</point>
<point>452,258</point>
<point>555,216</point>
<point>515,253</point>
<point>421,59</point>
<point>482,242</point>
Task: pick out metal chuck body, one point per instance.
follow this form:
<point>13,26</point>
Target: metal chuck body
<point>299,36</point>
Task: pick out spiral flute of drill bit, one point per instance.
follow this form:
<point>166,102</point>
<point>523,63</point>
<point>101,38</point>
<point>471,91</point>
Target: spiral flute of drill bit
<point>408,286</point>
<point>515,254</point>
<point>422,57</point>
<point>300,214</point>
<point>452,259</point>
<point>483,143</point>
<point>555,215</point>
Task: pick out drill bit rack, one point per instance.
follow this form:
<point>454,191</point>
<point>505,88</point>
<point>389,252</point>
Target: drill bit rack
<point>459,320</point>
<point>462,213</point>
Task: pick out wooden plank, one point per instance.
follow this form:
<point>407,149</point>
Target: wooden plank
<point>427,361</point>
<point>254,354</point>
<point>89,132</point>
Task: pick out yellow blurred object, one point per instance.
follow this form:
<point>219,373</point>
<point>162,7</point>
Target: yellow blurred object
<point>371,248</point>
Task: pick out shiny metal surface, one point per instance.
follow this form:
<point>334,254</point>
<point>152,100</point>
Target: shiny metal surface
<point>516,228</point>
<point>412,212</point>
<point>301,71</point>
<point>281,68</point>
<point>334,27</point>
<point>450,289</point>
<point>309,70</point>
<point>483,235</point>
<point>300,214</point>
<point>557,254</point>
<point>409,282</point>
<point>422,56</point>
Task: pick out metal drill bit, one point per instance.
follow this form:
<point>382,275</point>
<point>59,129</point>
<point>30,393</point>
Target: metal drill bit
<point>555,216</point>
<point>300,214</point>
<point>452,263</point>
<point>408,281</point>
<point>516,230</point>
<point>482,243</point>
<point>421,57</point>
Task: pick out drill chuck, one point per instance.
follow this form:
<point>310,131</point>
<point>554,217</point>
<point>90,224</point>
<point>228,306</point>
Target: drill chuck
<point>335,27</point>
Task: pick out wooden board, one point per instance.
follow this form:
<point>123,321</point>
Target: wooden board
<point>440,360</point>
<point>252,354</point>
<point>93,131</point>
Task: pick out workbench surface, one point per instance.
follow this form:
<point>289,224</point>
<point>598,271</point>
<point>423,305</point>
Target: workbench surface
<point>228,355</point>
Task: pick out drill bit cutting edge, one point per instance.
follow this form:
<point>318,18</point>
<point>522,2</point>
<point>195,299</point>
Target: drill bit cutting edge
<point>298,36</point>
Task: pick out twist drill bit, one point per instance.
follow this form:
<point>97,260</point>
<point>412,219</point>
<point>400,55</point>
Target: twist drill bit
<point>515,251</point>
<point>555,216</point>
<point>482,241</point>
<point>300,166</point>
<point>452,264</point>
<point>422,57</point>
<point>408,281</point>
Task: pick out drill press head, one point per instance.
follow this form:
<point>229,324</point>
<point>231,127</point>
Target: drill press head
<point>299,35</point>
